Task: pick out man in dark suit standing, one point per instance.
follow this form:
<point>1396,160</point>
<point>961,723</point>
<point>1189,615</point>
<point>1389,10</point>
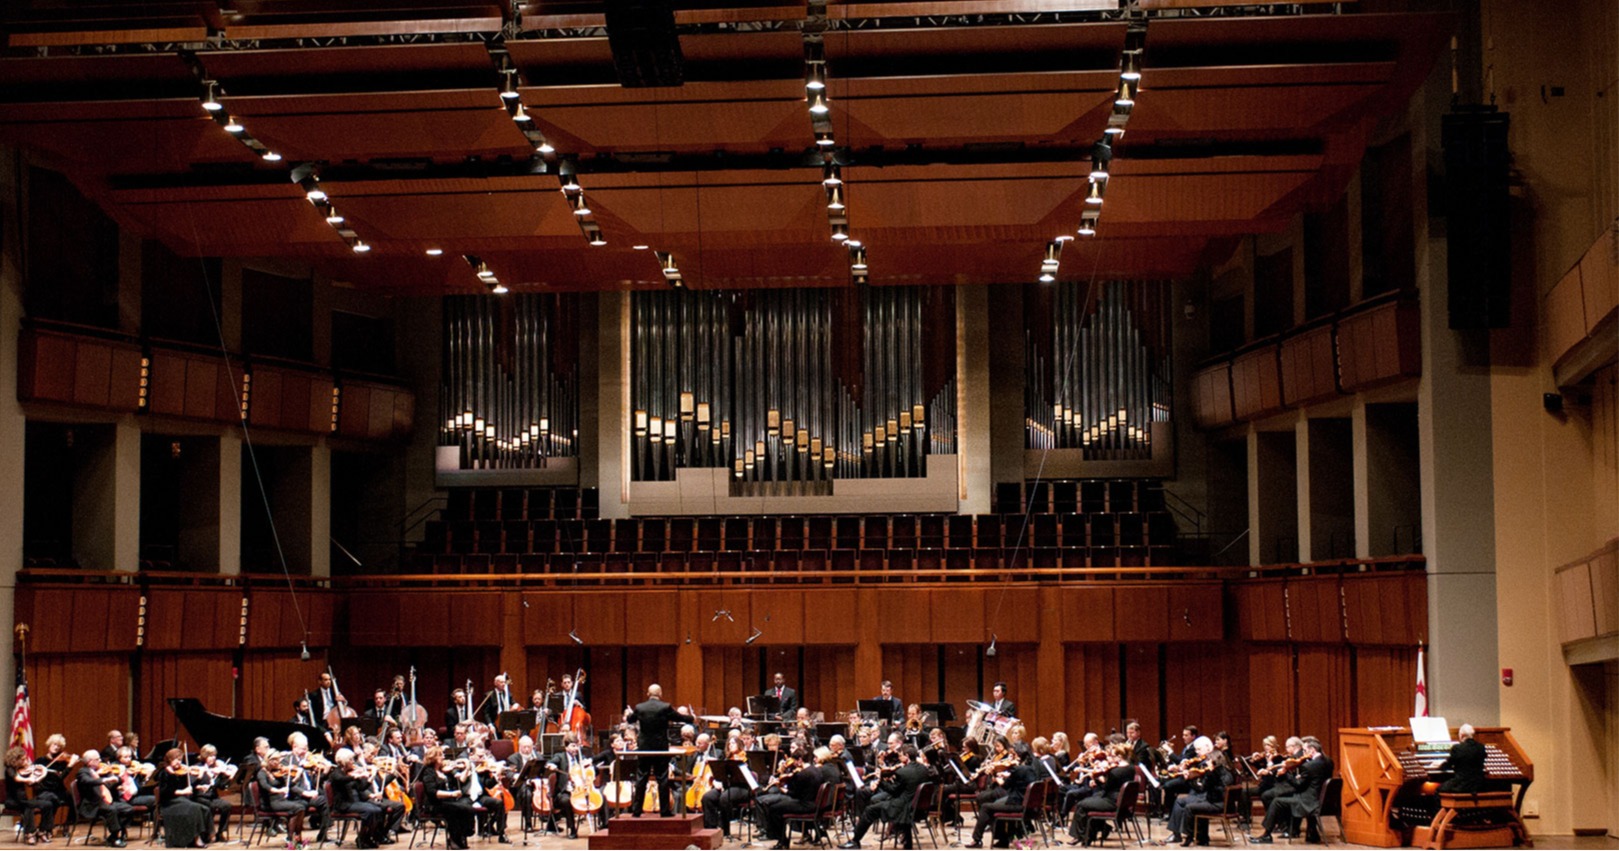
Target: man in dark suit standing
<point>1305,803</point>
<point>898,709</point>
<point>784,693</point>
<point>458,712</point>
<point>1000,702</point>
<point>653,717</point>
<point>1466,760</point>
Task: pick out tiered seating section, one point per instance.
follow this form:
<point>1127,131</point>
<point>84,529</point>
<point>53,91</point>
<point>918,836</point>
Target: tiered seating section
<point>1070,524</point>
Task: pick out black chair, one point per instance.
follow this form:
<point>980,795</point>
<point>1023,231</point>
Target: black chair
<point>341,819</point>
<point>816,820</point>
<point>1123,814</point>
<point>921,803</point>
<point>263,817</point>
<point>75,820</point>
<point>1229,816</point>
<point>1330,803</point>
<point>424,816</point>
<point>1033,813</point>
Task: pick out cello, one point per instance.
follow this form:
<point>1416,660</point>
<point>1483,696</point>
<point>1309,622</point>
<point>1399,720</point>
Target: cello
<point>702,780</point>
<point>583,794</point>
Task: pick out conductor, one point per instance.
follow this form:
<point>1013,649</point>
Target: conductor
<point>653,716</point>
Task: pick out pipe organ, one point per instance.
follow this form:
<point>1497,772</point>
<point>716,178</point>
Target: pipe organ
<point>509,395</point>
<point>1098,367</point>
<point>792,388</point>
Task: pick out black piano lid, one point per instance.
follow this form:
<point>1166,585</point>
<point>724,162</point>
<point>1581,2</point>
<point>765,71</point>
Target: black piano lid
<point>233,737</point>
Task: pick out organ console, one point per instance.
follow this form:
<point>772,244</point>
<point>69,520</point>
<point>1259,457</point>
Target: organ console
<point>1385,803</point>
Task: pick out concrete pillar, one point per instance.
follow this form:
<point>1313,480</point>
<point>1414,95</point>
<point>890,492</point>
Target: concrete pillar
<point>320,509</point>
<point>973,408</point>
<point>1301,472</point>
<point>230,503</point>
<point>13,425</point>
<point>1362,485</point>
<point>1255,526</point>
<point>107,495</point>
<point>613,401</point>
<point>1455,451</point>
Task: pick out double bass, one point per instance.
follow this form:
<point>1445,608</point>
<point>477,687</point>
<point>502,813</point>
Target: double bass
<point>574,716</point>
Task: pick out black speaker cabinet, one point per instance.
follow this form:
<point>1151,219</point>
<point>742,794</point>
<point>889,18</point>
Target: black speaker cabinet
<point>1477,213</point>
<point>646,50</point>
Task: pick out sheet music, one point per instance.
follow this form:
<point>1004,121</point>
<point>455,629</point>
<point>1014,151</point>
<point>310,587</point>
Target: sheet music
<point>955,765</point>
<point>747,774</point>
<point>854,772</point>
<point>1051,771</point>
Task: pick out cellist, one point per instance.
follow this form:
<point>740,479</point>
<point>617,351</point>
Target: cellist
<point>565,766</point>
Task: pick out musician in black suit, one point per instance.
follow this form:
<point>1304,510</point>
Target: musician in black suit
<point>498,700</point>
<point>1206,795</point>
<point>1140,751</point>
<point>785,694</point>
<point>351,793</point>
<point>458,712</point>
<point>324,698</point>
<point>1083,828</point>
<point>1305,803</point>
<point>888,696</point>
<point>97,801</point>
<point>999,702</point>
<point>1017,782</point>
<point>796,797</point>
<point>303,712</point>
<point>1466,761</point>
<point>563,764</point>
<point>381,709</point>
<point>653,717</point>
<point>896,808</point>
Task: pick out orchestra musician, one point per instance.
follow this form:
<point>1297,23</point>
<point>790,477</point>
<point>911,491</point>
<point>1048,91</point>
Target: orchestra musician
<point>1083,828</point>
<point>1009,798</point>
<point>523,793</point>
<point>306,785</point>
<point>721,802</point>
<point>800,780</point>
<point>213,777</point>
<point>492,822</point>
<point>97,801</point>
<point>1140,751</point>
<point>498,700</point>
<point>1177,785</point>
<point>303,712</point>
<point>1304,800</point>
<point>1060,748</point>
<point>351,793</point>
<point>325,696</point>
<point>1466,762</point>
<point>375,788</point>
<point>652,718</point>
<point>1206,794</point>
<point>381,710</point>
<point>1000,702</point>
<point>570,701</point>
<point>115,740</point>
<point>887,695</point>
<point>445,798</point>
<point>36,812</point>
<point>275,792</point>
<point>458,712</point>
<point>186,821</point>
<point>896,805</point>
<point>566,765</point>
<point>972,758</point>
<point>136,792</point>
<point>785,694</point>
<point>913,724</point>
<point>1272,781</point>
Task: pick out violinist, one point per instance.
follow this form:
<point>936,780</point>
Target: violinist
<point>894,805</point>
<point>442,787</point>
<point>1209,780</point>
<point>57,763</point>
<point>721,802</point>
<point>1086,773</point>
<point>1010,798</point>
<point>136,781</point>
<point>382,771</point>
<point>1140,751</point>
<point>187,822</point>
<point>306,784</point>
<point>96,799</point>
<point>1176,784</point>
<point>799,781</point>
<point>1083,828</point>
<point>487,769</point>
<point>460,742</point>
<point>214,776</point>
<point>276,795</point>
<point>351,791</point>
<point>1273,782</point>
<point>35,806</point>
<point>954,789</point>
<point>1060,748</point>
<point>1302,800</point>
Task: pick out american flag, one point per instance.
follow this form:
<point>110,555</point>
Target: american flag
<point>22,721</point>
<point>1420,709</point>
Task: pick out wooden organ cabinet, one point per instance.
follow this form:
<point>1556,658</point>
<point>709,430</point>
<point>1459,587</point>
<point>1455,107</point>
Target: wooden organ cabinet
<point>1384,802</point>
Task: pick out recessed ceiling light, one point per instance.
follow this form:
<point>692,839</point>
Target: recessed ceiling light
<point>233,126</point>
<point>434,252</point>
<point>272,156</point>
<point>360,247</point>
<point>640,247</point>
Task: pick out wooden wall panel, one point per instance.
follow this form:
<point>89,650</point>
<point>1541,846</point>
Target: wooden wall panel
<point>1314,609</point>
<point>1325,693</point>
<point>599,618</point>
<point>81,697</point>
<point>1198,690</point>
<point>547,617</point>
<point>780,614</point>
<point>724,683</point>
<point>1270,691</point>
<point>1087,614</point>
<point>1196,612</point>
<point>79,620</point>
<point>1379,345</point>
<point>475,619</point>
<point>1141,690</point>
<point>914,669</point>
<point>1385,685</point>
<point>45,366</point>
<point>1141,613</point>
<point>1256,383</point>
<point>277,618</point>
<point>206,676</point>
<point>652,617</point>
<point>373,619</point>
<point>961,674</point>
<point>1260,609</point>
<point>827,680</point>
<point>715,627</point>
<point>903,616</point>
<point>836,616</point>
<point>1093,682</point>
<point>1309,367</point>
<point>958,615</point>
<point>273,679</point>
<point>1211,396</point>
<point>1014,664</point>
<point>1012,615</point>
<point>193,618</point>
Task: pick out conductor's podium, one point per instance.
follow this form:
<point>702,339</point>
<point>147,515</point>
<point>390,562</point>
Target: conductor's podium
<point>650,831</point>
<point>1383,778</point>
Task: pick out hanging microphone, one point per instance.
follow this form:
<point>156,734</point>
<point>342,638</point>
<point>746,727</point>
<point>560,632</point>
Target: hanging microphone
<point>991,650</point>
<point>755,636</point>
<point>575,636</point>
<point>305,654</point>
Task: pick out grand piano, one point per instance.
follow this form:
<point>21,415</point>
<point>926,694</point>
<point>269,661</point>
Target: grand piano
<point>234,736</point>
<point>1384,770</point>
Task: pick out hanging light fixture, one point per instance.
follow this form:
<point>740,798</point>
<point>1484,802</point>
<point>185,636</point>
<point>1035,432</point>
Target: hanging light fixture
<point>834,198</point>
<point>832,175</point>
<point>210,97</point>
<point>580,208</point>
<point>818,104</point>
<point>840,233</point>
<point>508,89</point>
<point>520,114</point>
<point>1094,197</point>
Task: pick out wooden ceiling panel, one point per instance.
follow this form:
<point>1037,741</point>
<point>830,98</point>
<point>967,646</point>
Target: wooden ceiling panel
<point>755,117</point>
<point>1195,203</point>
<point>137,145</point>
<point>1275,110</point>
<point>484,130</point>
<point>954,119</point>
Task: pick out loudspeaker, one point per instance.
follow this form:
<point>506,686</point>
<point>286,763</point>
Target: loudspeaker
<point>646,49</point>
<point>1477,213</point>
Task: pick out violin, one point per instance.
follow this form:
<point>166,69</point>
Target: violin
<point>992,767</point>
<point>1282,767</point>
<point>317,763</point>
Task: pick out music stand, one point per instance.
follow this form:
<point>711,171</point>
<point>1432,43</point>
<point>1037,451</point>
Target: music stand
<point>955,736</point>
<point>550,743</point>
<point>521,720</point>
<point>880,708</point>
<point>367,725</point>
<point>764,705</point>
<point>825,731</point>
<point>945,712</point>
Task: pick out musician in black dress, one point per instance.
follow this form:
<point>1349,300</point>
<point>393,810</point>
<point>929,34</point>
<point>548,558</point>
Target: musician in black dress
<point>443,789</point>
<point>1206,795</point>
<point>275,792</point>
<point>955,789</point>
<point>36,812</point>
<point>186,822</point>
<point>1017,782</point>
<point>1466,762</point>
<point>96,799</point>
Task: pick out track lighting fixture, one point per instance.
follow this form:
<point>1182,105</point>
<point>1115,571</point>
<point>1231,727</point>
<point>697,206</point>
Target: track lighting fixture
<point>577,201</point>
<point>1127,93</point>
<point>840,233</point>
<point>857,259</point>
<point>1063,237</point>
<point>1047,277</point>
<point>596,238</point>
<point>508,89</point>
<point>834,198</point>
<point>333,217</point>
<point>815,76</point>
<point>1130,67</point>
<point>565,173</point>
<point>499,289</point>
<point>210,97</point>
<point>832,175</point>
<point>316,195</point>
<point>519,114</point>
<point>361,247</point>
<point>824,140</point>
<point>434,252</point>
<point>545,148</point>
<point>1094,197</point>
<point>1087,228</point>
<point>233,126</point>
<point>271,156</point>
<point>818,104</point>
<point>1053,253</point>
